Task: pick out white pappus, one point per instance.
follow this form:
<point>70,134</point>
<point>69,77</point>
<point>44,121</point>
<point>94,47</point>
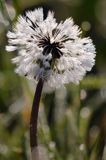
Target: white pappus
<point>53,51</point>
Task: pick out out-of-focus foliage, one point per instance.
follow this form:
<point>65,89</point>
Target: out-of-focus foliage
<point>72,120</point>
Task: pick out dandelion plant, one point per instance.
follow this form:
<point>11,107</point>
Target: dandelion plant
<point>51,54</point>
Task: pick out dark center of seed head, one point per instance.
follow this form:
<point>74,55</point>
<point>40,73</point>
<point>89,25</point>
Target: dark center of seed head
<point>53,48</point>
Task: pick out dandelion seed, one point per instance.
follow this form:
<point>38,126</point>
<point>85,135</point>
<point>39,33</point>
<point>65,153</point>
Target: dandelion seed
<point>54,52</point>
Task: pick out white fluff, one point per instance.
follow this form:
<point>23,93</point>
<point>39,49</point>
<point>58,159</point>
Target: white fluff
<point>78,54</point>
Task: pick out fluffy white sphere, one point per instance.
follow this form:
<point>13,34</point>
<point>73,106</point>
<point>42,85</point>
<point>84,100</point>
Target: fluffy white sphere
<point>48,50</point>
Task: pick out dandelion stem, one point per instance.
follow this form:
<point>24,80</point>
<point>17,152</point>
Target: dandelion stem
<point>34,115</point>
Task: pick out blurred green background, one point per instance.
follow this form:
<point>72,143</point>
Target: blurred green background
<point>72,120</point>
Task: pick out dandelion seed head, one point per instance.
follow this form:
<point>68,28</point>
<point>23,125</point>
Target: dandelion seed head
<point>54,52</point>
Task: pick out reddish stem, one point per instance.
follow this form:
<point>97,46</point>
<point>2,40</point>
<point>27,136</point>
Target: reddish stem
<point>34,115</point>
